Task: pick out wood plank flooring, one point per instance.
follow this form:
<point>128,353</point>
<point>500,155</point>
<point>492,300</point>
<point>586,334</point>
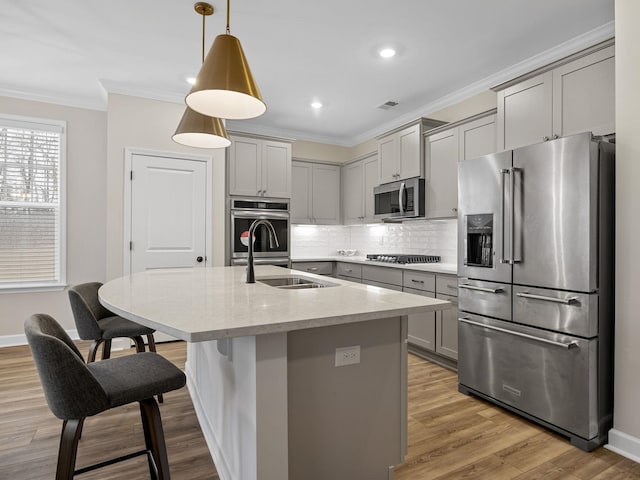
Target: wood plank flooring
<point>451,436</point>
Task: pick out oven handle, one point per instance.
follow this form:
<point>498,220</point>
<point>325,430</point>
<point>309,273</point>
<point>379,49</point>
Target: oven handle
<point>255,214</point>
<point>568,346</point>
<point>481,289</point>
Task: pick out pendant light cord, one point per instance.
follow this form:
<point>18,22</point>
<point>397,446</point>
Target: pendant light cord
<point>228,9</point>
<point>203,17</point>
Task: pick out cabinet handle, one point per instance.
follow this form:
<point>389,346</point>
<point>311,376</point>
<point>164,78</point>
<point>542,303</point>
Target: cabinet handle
<point>545,138</point>
<point>348,270</point>
<point>454,209</point>
<point>555,135</point>
<point>417,281</point>
<point>312,269</point>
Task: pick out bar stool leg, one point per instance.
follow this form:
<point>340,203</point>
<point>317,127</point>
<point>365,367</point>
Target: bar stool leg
<point>93,350</point>
<point>152,348</point>
<point>106,350</point>
<point>71,430</point>
<point>154,438</point>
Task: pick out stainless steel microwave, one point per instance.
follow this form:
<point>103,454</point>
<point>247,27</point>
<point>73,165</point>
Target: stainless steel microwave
<point>402,199</point>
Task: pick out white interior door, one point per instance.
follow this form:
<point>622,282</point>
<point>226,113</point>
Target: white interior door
<point>168,212</point>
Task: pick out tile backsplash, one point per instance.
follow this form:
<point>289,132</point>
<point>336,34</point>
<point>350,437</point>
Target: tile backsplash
<point>431,237</point>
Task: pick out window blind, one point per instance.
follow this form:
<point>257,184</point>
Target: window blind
<point>30,203</point>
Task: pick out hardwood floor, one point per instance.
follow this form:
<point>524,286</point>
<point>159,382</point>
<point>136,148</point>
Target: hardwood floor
<point>451,436</point>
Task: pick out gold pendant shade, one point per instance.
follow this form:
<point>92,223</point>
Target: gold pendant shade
<point>201,131</point>
<point>224,86</point>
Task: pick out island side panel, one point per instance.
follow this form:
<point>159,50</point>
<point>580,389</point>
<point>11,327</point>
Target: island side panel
<point>348,421</point>
<point>221,378</point>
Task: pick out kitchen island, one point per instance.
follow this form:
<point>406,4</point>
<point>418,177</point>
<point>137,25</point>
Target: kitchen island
<point>261,367</point>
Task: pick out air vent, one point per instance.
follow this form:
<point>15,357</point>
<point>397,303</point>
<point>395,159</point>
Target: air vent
<point>388,105</point>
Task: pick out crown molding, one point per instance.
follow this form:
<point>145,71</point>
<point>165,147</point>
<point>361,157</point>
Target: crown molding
<point>128,89</point>
<point>574,45</point>
<point>56,98</point>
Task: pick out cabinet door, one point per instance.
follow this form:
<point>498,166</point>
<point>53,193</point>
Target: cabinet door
<point>326,194</point>
<point>245,167</point>
<point>409,152</point>
<point>276,169</point>
<point>353,192</point>
<point>442,177</point>
<point>584,95</point>
<point>370,181</point>
<point>477,138</point>
<point>525,112</point>
<point>447,329</point>
<point>300,206</point>
<point>388,159</point>
<point>422,326</point>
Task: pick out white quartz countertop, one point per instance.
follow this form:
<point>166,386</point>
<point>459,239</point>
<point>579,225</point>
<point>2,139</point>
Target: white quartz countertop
<point>448,268</point>
<point>209,303</point>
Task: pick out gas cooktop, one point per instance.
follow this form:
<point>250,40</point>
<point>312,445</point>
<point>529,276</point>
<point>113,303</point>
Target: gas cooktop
<point>403,258</point>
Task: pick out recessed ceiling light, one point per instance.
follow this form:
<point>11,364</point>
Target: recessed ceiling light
<point>316,105</point>
<point>191,80</point>
<point>387,52</point>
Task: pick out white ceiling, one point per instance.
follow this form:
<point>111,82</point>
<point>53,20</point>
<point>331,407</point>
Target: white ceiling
<point>73,52</point>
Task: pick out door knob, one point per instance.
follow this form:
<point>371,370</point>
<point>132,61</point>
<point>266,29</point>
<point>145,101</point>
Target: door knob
<point>199,259</point>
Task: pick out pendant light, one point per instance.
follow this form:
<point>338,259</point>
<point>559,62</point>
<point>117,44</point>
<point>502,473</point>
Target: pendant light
<point>225,87</point>
<point>196,129</point>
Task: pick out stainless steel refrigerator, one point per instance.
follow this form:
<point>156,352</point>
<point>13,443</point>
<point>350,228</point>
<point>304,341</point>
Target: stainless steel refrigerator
<point>536,283</point>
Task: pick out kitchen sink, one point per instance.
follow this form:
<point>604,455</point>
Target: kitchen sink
<point>294,283</point>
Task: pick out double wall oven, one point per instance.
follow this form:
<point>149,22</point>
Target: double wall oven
<point>243,212</point>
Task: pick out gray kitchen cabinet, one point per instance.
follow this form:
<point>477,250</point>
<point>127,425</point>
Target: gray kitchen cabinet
<point>315,193</point>
<point>434,331</point>
<point>421,326</point>
<point>444,148</point>
<point>400,155</point>
<point>447,320</point>
<point>382,275</point>
<point>358,180</point>
<point>319,268</point>
<point>259,167</point>
<point>572,97</point>
<point>349,271</point>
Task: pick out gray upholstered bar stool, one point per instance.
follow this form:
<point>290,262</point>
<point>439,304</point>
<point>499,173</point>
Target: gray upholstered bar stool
<point>94,322</point>
<point>75,390</point>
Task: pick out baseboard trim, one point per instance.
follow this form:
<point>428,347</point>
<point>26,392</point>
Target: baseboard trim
<point>224,473</point>
<point>16,340</point>
<point>624,444</point>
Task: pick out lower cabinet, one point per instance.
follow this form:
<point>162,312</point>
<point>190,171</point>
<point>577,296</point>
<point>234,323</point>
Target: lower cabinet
<point>319,268</point>
<point>349,271</point>
<point>435,331</point>
<point>447,329</point>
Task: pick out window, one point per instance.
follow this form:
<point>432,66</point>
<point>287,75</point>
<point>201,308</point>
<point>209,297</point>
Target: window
<point>32,207</point>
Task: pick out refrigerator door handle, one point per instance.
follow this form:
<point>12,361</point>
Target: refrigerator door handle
<point>481,289</point>
<point>503,172</point>
<point>512,257</point>
<point>568,346</point>
<point>564,301</point>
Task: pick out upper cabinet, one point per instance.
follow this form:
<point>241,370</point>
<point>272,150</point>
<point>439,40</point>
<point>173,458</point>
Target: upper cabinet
<point>444,148</point>
<point>400,154</point>
<point>358,180</point>
<point>259,167</point>
<point>573,96</point>
<point>315,196</point>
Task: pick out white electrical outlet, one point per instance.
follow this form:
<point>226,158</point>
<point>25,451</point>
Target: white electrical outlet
<point>347,355</point>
